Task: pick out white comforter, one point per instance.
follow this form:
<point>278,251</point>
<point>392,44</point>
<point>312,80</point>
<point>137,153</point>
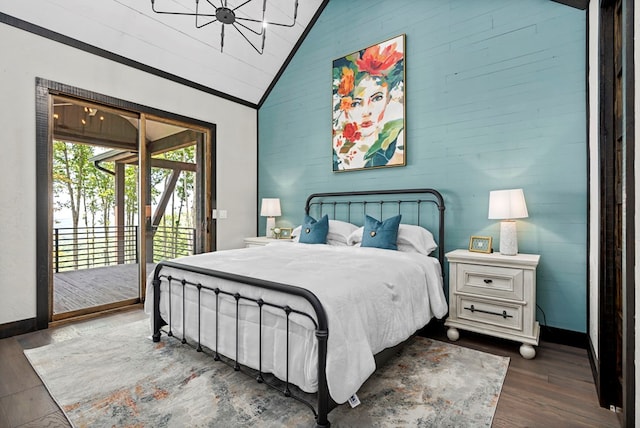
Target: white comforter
<point>373,298</point>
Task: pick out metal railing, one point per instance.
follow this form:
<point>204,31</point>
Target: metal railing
<point>172,242</point>
<point>89,247</point>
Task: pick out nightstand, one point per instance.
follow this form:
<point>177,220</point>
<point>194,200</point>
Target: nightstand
<point>259,241</point>
<point>495,295</point>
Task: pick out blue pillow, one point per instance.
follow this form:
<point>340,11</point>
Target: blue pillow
<point>314,232</point>
<point>381,234</point>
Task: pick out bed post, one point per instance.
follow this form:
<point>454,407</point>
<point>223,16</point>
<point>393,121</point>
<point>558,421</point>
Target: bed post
<point>157,319</point>
<point>323,389</point>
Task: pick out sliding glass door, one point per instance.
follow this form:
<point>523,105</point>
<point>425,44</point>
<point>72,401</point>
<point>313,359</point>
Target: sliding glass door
<point>127,189</point>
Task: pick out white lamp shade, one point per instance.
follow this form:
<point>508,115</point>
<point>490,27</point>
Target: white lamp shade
<point>270,207</point>
<point>507,204</point>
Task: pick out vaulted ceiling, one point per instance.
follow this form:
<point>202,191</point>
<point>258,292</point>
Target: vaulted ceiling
<point>171,45</point>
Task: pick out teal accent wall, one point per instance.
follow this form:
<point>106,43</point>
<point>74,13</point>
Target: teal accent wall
<point>495,99</point>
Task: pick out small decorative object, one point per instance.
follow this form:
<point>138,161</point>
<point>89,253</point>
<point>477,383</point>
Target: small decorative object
<point>368,107</point>
<point>480,244</point>
<point>285,233</point>
<point>507,205</point>
<point>270,209</point>
<point>276,232</point>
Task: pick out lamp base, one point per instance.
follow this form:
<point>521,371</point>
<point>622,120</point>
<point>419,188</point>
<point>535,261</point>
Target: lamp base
<point>271,223</point>
<point>508,238</point>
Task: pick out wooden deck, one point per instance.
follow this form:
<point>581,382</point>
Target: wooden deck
<point>86,288</point>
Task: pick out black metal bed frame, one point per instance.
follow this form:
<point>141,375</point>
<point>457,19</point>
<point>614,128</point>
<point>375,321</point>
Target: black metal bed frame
<point>334,200</point>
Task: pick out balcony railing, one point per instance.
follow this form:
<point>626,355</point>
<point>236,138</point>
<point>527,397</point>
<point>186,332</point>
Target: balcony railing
<point>89,247</point>
<point>172,242</point>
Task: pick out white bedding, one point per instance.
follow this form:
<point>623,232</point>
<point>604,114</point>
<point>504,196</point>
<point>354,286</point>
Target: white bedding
<point>373,298</point>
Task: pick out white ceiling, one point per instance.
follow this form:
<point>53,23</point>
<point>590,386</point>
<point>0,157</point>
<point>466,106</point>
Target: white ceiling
<point>172,44</point>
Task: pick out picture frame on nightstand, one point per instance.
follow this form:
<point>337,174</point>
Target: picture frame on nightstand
<point>285,233</point>
<point>481,244</point>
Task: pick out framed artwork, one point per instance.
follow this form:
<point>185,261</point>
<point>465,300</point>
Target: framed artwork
<point>368,120</point>
<point>285,233</point>
<point>480,244</point>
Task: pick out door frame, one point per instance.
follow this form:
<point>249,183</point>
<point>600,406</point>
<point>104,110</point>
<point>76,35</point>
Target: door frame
<point>204,156</point>
<point>44,133</point>
<point>605,370</point>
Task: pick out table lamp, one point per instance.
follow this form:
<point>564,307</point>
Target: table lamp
<point>507,205</point>
<point>270,209</point>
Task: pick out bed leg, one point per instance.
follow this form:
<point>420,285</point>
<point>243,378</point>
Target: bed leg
<point>323,389</point>
<point>157,319</point>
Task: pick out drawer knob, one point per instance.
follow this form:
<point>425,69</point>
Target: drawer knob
<point>488,281</point>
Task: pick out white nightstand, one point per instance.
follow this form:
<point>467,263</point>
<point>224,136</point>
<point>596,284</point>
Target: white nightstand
<point>259,241</point>
<point>495,295</point>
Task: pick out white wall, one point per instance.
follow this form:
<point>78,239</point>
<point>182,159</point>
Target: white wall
<point>26,56</point>
<point>594,174</point>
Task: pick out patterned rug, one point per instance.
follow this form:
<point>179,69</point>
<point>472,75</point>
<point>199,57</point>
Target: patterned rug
<point>122,379</point>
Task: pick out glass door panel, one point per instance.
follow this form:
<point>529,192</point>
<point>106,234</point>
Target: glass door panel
<point>177,189</point>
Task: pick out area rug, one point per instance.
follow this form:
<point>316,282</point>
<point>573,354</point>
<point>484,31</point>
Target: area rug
<point>120,378</point>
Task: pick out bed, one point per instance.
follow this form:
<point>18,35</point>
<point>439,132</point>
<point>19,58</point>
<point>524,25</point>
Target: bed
<point>309,318</point>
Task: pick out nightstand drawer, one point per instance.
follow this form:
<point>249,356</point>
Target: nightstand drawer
<point>496,314</point>
<point>491,281</point>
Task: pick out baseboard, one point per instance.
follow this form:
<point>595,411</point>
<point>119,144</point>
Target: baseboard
<point>17,327</point>
<point>595,371</point>
<point>564,337</point>
<point>547,334</point>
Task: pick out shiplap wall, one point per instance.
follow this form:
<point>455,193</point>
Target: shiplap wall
<point>495,99</point>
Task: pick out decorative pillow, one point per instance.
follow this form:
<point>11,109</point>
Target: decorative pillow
<point>338,235</point>
<point>381,234</point>
<point>314,232</point>
<point>413,238</point>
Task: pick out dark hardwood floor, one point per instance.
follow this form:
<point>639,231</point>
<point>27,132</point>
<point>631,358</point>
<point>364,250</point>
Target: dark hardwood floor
<point>553,390</point>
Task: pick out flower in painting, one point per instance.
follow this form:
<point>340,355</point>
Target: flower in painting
<point>378,63</point>
<point>346,82</point>
<point>345,103</point>
<point>351,132</point>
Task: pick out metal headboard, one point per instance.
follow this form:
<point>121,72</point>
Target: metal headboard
<point>352,207</point>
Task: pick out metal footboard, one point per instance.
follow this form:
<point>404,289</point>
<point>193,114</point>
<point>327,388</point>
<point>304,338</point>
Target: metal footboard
<point>324,402</point>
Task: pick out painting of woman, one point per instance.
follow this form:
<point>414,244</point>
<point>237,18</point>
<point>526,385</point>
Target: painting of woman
<point>368,107</point>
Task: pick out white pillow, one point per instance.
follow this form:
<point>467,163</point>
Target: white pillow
<point>339,231</point>
<point>356,236</point>
<point>411,238</point>
<point>338,234</point>
<point>296,233</point>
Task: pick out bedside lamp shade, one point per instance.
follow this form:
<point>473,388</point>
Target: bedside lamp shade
<point>270,209</point>
<point>507,205</point>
